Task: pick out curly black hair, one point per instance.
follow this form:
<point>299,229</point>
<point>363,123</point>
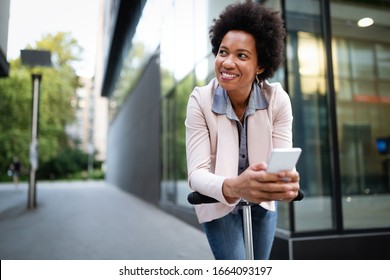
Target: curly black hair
<point>263,23</point>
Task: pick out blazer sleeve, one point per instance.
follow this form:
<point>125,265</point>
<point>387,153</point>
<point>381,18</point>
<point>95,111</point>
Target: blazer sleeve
<point>282,119</point>
<point>198,147</point>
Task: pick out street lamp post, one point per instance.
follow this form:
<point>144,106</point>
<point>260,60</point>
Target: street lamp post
<point>36,78</point>
<point>34,58</point>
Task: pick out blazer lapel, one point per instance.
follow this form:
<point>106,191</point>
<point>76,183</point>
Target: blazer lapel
<point>227,148</point>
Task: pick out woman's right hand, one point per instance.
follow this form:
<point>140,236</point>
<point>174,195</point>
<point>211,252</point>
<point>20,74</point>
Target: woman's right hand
<point>256,185</point>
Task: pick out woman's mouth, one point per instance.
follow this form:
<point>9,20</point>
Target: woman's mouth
<point>228,76</point>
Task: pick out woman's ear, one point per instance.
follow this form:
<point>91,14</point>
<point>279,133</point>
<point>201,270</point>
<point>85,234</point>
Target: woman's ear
<point>259,70</point>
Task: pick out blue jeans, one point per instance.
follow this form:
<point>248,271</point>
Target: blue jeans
<point>226,235</point>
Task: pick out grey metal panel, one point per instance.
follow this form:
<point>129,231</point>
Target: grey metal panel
<point>359,246</point>
<point>133,155</point>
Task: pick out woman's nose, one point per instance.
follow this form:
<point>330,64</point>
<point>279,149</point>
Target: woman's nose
<point>228,63</point>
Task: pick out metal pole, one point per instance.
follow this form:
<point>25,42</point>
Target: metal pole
<point>34,141</point>
<point>247,216</point>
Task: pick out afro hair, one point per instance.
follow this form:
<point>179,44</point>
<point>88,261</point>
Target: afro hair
<point>263,23</point>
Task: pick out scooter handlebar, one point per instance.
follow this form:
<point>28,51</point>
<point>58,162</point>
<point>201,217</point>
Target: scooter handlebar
<point>196,198</point>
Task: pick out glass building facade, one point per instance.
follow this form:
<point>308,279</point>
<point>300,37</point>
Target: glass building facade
<point>337,73</point>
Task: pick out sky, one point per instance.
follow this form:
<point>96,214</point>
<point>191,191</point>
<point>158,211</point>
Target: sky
<point>31,19</point>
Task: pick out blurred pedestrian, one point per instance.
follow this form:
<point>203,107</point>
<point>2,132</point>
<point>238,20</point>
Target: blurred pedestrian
<point>14,170</point>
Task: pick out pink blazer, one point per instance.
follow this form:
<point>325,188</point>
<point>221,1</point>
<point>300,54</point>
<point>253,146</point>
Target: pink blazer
<point>212,143</point>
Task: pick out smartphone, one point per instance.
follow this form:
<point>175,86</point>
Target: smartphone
<point>283,159</point>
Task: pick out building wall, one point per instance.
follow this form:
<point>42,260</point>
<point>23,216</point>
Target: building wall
<point>4,22</point>
<point>133,158</point>
<point>100,126</point>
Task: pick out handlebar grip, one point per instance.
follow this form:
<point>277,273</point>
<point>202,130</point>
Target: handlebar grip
<point>300,195</point>
<point>196,198</point>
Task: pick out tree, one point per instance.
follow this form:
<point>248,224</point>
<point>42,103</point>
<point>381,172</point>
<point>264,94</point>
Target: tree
<point>58,93</point>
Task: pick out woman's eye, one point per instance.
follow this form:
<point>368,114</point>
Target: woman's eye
<point>222,52</point>
<point>241,55</point>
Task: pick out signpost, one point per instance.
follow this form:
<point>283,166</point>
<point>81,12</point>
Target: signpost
<point>35,58</point>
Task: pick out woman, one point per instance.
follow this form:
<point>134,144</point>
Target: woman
<point>232,125</point>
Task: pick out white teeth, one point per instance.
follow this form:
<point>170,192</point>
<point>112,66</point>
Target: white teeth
<point>228,75</point>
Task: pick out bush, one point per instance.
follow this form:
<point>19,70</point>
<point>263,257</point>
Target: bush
<point>70,161</point>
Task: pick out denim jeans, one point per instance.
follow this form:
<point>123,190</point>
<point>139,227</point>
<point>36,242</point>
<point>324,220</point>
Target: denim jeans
<point>226,235</point>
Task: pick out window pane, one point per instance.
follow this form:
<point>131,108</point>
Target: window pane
<point>361,57</point>
<point>307,88</point>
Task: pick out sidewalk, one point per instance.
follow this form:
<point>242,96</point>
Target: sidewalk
<point>91,220</point>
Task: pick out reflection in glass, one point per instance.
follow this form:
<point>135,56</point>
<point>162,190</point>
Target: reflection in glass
<point>362,83</point>
<point>307,88</point>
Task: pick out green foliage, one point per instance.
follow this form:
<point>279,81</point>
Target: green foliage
<point>15,112</point>
<point>69,161</point>
<point>65,50</point>
<point>57,92</point>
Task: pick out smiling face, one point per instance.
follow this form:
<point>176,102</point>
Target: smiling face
<point>236,62</point>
